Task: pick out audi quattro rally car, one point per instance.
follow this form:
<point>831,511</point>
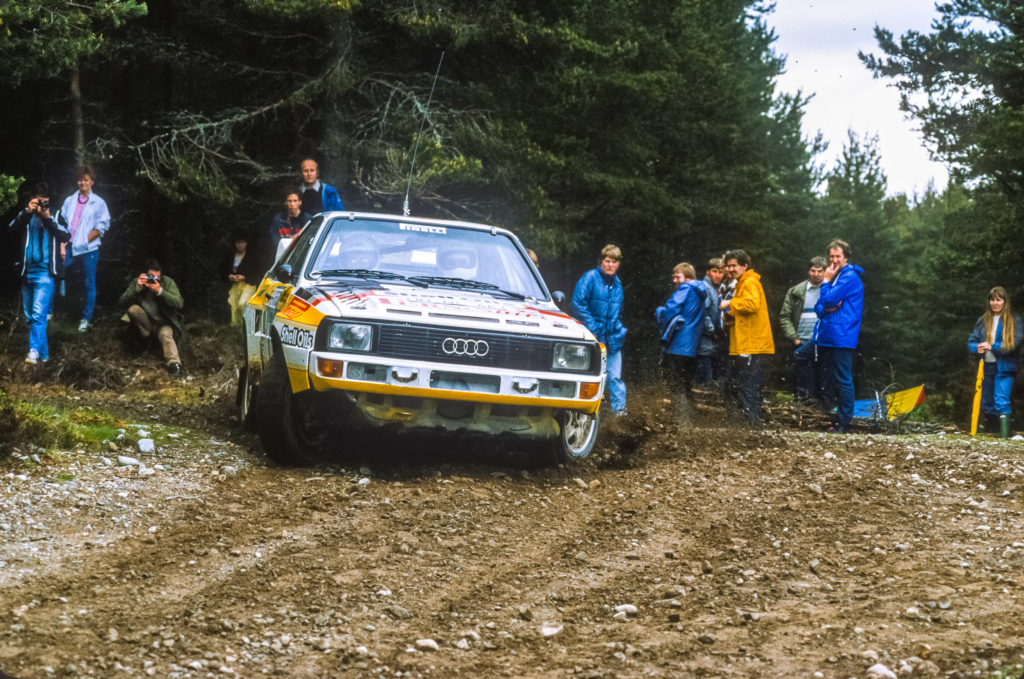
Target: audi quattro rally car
<point>371,320</point>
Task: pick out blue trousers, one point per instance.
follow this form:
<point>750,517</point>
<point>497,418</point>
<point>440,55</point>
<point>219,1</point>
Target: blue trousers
<point>36,295</point>
<point>82,270</point>
<point>839,383</point>
<point>995,391</point>
<point>809,372</point>
<point>616,387</point>
<point>742,387</point>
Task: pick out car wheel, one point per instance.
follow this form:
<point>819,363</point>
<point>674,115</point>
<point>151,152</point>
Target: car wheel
<point>575,440</point>
<point>246,396</point>
<point>294,429</point>
<point>247,385</point>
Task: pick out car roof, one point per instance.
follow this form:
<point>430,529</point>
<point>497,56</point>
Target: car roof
<point>408,219</point>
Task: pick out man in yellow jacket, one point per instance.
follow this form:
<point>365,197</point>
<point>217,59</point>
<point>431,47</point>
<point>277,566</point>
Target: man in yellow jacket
<point>750,339</point>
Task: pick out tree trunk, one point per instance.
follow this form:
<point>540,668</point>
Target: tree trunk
<point>76,116</point>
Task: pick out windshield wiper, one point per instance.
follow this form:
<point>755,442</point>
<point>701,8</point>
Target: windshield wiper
<point>369,273</point>
<point>465,283</point>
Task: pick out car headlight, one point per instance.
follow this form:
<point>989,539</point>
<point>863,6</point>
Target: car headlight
<point>570,357</point>
<point>350,337</point>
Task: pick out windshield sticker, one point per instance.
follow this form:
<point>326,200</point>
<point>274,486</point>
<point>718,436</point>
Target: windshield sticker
<point>423,228</point>
<point>303,339</point>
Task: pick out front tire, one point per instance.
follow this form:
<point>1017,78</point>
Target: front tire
<point>575,440</point>
<point>246,397</point>
<point>292,428</point>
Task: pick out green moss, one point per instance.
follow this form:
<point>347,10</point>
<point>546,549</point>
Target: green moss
<point>25,424</point>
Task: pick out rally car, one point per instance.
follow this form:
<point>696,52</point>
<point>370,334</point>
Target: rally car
<point>369,322</point>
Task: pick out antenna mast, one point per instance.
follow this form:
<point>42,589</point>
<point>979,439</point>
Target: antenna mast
<point>408,186</point>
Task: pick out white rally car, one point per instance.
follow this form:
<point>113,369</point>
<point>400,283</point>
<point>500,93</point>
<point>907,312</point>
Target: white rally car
<point>381,321</point>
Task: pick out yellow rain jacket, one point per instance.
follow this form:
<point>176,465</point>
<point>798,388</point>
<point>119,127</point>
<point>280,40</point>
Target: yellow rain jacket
<point>751,331</point>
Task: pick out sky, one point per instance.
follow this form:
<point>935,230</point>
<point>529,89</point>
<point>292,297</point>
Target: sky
<point>821,39</point>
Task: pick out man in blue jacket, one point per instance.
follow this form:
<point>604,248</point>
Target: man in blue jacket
<point>316,196</point>
<point>682,322</point>
<point>840,305</point>
<point>598,303</point>
<point>40,266</point>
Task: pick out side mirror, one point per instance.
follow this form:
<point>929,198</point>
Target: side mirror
<point>558,296</point>
<point>284,273</point>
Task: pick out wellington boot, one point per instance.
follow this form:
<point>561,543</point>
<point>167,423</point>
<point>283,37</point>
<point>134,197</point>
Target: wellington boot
<point>990,424</point>
<point>1004,426</point>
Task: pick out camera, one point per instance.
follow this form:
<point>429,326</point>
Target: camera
<point>150,278</point>
<point>43,204</point>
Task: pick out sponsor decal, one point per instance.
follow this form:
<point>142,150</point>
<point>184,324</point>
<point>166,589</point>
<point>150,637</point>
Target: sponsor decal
<point>296,337</point>
<point>422,228</point>
<point>295,308</point>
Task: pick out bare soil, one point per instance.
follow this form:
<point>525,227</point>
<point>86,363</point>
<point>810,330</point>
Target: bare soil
<point>700,551</point>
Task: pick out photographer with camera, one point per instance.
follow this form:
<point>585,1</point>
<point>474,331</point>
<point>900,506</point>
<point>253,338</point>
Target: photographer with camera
<point>154,308</point>
<point>41,266</point>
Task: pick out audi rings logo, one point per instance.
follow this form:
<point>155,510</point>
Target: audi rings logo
<point>465,347</point>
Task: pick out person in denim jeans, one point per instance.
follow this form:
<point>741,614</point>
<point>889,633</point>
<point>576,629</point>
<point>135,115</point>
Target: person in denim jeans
<point>88,219</point>
<point>41,266</point>
<point>597,300</point>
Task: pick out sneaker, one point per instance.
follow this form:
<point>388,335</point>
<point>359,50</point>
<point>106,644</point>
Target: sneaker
<point>83,325</point>
<point>174,369</point>
<point>33,357</point>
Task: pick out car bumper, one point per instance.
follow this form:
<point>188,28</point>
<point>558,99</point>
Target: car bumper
<point>424,380</point>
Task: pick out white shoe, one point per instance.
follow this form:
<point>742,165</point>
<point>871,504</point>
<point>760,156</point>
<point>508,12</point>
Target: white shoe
<point>83,325</point>
<point>33,357</point>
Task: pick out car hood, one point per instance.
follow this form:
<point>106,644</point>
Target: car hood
<point>450,308</point>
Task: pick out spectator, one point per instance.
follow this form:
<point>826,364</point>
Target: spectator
<point>316,196</point>
<point>41,266</point>
<point>682,321</point>
<point>798,319</point>
<point>286,224</point>
<point>598,303</point>
<point>994,339</point>
<point>839,307</point>
<point>243,271</point>
<point>750,338</point>
<point>89,220</point>
<point>708,360</point>
<point>154,308</point>
<point>726,290</point>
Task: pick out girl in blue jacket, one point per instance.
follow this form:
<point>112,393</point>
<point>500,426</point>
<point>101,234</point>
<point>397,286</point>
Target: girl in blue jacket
<point>996,341</point>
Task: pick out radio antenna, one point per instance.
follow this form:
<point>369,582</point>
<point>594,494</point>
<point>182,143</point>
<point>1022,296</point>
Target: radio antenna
<point>408,187</point>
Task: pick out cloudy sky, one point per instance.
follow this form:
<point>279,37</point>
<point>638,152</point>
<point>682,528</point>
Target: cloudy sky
<point>821,39</point>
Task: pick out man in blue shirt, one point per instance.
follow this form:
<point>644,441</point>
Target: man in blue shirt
<point>316,196</point>
<point>41,266</point>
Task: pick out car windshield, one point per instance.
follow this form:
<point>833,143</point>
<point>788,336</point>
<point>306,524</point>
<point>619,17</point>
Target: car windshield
<point>424,254</point>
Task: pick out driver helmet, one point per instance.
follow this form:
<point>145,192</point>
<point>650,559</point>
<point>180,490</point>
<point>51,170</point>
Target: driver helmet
<point>359,251</point>
<point>457,261</point>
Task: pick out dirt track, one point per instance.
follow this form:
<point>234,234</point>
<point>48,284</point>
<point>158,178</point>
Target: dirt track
<point>772,554</point>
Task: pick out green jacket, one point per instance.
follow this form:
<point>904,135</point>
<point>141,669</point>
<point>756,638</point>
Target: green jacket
<point>792,308</point>
<point>166,306</point>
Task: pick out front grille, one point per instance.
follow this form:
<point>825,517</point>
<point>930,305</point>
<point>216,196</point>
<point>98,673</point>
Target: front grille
<point>504,350</point>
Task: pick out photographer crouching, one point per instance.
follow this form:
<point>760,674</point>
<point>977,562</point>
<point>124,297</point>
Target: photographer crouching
<point>41,266</point>
<point>154,309</point>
